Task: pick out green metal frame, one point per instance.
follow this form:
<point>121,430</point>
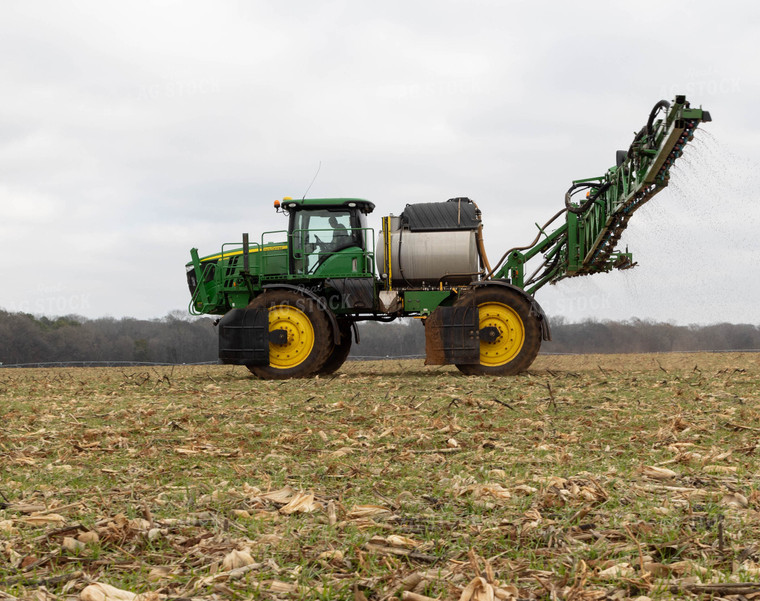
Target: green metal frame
<point>424,302</point>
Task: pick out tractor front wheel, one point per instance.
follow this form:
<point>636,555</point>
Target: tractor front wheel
<point>307,339</point>
<point>517,330</point>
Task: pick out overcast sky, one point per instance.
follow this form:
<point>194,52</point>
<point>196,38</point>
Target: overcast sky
<point>133,131</point>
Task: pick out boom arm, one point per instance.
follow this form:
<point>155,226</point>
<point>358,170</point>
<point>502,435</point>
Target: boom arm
<point>585,243</point>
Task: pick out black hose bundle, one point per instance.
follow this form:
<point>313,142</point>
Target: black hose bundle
<point>600,189</point>
<point>647,130</point>
<point>663,104</point>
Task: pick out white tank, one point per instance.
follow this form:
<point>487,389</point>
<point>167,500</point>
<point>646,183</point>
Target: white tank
<point>428,257</point>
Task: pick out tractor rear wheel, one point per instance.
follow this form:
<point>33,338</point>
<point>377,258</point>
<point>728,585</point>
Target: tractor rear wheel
<point>309,338</point>
<point>340,351</point>
<point>517,328</point>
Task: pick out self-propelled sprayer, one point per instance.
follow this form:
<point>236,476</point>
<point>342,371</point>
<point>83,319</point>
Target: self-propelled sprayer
<point>290,300</point>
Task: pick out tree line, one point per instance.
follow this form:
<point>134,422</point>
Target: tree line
<point>178,338</point>
<point>26,338</point>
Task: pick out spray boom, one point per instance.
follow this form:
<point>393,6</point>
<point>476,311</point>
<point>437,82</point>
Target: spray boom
<point>586,242</point>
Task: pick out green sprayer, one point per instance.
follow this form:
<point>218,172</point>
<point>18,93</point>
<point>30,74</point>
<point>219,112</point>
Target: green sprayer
<point>290,301</point>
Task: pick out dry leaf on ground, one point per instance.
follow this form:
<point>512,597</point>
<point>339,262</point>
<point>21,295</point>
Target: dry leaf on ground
<point>301,503</point>
<point>43,520</point>
<point>365,511</point>
<point>658,473</point>
<point>478,590</point>
<point>236,559</point>
<point>100,591</point>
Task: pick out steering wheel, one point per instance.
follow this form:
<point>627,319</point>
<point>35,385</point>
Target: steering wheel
<point>318,243</point>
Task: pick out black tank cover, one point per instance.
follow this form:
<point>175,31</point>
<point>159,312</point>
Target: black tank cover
<point>454,214</point>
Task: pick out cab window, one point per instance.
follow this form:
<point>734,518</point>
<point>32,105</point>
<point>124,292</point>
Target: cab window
<point>319,233</point>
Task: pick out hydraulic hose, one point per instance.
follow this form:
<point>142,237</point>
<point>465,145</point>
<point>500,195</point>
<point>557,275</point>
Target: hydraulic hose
<point>601,188</point>
<point>645,131</point>
<point>663,104</point>
<point>546,266</point>
<point>481,246</point>
<point>531,245</point>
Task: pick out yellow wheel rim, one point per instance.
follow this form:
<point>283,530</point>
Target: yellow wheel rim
<point>511,329</point>
<point>300,336</point>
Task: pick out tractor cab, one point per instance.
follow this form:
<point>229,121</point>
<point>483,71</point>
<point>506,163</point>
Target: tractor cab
<point>329,237</point>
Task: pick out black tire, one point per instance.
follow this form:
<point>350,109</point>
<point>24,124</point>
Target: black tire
<point>340,351</point>
<point>310,339</point>
<point>520,332</point>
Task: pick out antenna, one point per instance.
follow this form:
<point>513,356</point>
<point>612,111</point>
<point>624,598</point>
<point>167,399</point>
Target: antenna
<point>312,181</point>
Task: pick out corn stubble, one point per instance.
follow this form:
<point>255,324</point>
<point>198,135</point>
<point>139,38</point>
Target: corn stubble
<point>589,477</point>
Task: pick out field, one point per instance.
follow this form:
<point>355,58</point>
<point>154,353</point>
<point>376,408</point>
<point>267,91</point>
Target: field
<point>590,477</point>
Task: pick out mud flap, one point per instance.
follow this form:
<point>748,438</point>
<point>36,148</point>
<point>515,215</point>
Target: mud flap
<point>452,336</point>
<point>244,337</point>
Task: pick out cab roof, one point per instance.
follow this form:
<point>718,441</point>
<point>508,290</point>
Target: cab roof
<point>326,203</point>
